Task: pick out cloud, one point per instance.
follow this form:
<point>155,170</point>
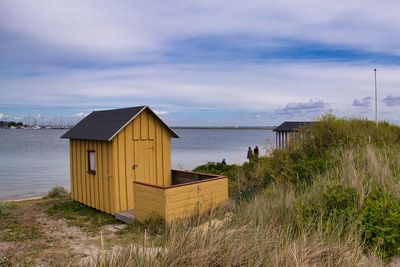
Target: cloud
<point>365,102</point>
<point>80,114</point>
<point>391,101</point>
<point>183,87</point>
<point>184,56</point>
<point>303,107</point>
<point>188,86</point>
<point>161,112</point>
<point>125,30</point>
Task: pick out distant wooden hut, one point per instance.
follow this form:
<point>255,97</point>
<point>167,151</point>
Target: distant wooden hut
<point>285,131</point>
<point>120,163</point>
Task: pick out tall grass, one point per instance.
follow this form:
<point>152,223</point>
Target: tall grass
<point>262,232</point>
<point>366,169</point>
<point>270,230</point>
<point>335,218</point>
<point>312,150</point>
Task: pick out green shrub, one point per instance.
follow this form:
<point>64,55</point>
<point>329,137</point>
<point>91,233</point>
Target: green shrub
<point>4,209</point>
<point>244,180</point>
<point>332,166</point>
<point>381,223</point>
<point>378,218</point>
<point>253,177</point>
<point>338,201</point>
<point>312,150</point>
<point>218,168</point>
<point>57,192</point>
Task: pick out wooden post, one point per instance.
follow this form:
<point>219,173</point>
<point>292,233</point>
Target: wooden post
<point>284,140</point>
<point>280,141</point>
<point>287,138</point>
<point>277,140</point>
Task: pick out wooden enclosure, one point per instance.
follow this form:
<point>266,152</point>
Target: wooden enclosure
<point>196,193</point>
<point>120,157</point>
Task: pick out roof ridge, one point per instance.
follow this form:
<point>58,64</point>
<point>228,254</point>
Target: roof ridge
<point>104,125</point>
<point>116,109</point>
<point>292,125</point>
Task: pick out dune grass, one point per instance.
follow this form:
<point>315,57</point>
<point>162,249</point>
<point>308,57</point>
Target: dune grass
<point>331,199</point>
<point>282,226</point>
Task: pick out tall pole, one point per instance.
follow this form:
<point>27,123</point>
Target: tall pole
<point>376,101</point>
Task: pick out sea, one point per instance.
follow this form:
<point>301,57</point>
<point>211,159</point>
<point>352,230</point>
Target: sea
<point>32,161</point>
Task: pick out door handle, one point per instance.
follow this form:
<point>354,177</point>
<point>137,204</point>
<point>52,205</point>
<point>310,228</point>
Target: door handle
<point>134,166</point>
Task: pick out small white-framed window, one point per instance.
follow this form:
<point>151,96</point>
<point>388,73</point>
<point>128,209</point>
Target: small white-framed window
<point>91,161</point>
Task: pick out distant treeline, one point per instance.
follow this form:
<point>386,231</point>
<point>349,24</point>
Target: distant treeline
<point>9,124</point>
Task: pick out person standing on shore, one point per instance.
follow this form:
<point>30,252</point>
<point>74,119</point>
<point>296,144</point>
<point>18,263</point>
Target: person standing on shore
<point>250,154</point>
<point>256,151</point>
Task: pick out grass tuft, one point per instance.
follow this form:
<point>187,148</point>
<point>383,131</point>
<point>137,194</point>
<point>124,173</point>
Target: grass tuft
<point>22,232</point>
<point>4,209</point>
<point>57,192</point>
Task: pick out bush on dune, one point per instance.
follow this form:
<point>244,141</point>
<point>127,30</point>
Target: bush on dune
<point>337,201</point>
<point>363,190</point>
<point>380,223</point>
<point>313,150</point>
<point>57,192</point>
<point>217,168</point>
<point>244,180</point>
<point>337,166</point>
<point>331,199</point>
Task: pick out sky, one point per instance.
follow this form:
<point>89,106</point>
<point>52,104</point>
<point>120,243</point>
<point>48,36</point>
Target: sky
<point>199,63</point>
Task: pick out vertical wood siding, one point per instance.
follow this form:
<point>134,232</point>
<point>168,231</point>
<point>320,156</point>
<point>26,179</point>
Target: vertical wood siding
<point>145,143</point>
<point>93,190</point>
<point>149,202</point>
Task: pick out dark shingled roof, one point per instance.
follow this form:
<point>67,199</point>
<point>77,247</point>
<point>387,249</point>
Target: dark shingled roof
<point>291,126</point>
<point>105,124</point>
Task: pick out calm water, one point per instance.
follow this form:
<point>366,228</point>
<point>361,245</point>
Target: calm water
<point>33,161</point>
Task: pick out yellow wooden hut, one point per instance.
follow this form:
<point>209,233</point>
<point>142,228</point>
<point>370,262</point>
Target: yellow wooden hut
<point>120,163</point>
